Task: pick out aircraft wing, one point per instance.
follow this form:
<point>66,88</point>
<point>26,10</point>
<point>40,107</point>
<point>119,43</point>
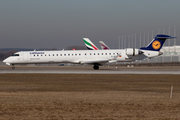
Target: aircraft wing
<point>94,61</point>
<point>99,60</point>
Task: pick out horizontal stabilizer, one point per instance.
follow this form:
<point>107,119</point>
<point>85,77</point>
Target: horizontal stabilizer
<point>164,37</point>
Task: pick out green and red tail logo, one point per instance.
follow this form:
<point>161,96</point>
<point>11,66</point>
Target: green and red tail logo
<point>89,44</point>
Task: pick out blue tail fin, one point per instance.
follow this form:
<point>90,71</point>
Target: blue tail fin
<point>157,43</point>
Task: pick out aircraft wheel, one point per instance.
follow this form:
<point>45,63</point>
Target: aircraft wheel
<point>13,67</point>
<point>96,67</point>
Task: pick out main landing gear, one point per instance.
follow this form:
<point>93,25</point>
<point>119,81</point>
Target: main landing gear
<point>96,67</point>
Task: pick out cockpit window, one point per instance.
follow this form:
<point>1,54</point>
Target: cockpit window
<point>15,55</point>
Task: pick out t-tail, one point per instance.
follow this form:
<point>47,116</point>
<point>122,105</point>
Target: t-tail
<point>157,43</point>
<point>89,44</point>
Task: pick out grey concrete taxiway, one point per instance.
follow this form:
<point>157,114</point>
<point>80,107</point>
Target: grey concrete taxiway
<point>89,70</point>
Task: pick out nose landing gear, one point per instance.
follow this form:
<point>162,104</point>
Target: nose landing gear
<point>13,66</point>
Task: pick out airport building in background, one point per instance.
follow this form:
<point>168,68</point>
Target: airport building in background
<point>170,50</point>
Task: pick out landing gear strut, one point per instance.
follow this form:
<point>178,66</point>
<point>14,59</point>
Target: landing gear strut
<point>13,66</point>
<point>96,67</point>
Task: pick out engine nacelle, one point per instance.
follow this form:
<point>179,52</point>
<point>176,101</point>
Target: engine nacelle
<point>133,51</point>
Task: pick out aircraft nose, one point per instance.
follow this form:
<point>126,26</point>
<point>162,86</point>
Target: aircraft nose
<point>6,61</point>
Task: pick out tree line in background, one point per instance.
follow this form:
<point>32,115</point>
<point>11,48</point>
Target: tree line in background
<point>6,52</point>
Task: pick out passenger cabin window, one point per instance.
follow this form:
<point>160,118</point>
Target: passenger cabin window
<point>109,53</point>
<point>106,53</point>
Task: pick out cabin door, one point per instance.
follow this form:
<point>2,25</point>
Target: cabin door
<point>26,56</point>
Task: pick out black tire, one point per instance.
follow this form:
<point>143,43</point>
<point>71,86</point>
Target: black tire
<point>13,67</point>
<point>96,67</point>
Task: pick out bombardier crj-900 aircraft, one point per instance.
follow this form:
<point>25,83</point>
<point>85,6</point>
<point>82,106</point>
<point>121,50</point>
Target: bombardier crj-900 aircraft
<point>94,57</point>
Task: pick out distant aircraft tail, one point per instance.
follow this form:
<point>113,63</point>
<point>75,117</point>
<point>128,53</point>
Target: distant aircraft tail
<point>103,45</point>
<point>157,43</point>
<point>89,44</point>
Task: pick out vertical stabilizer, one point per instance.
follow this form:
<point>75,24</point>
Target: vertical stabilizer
<point>89,44</point>
<point>103,45</point>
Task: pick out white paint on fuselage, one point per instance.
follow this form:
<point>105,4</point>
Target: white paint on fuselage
<point>76,56</point>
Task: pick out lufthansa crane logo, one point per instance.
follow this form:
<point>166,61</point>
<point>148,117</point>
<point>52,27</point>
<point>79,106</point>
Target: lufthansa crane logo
<point>156,45</point>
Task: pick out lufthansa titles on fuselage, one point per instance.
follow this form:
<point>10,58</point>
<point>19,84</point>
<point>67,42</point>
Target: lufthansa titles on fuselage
<point>36,52</point>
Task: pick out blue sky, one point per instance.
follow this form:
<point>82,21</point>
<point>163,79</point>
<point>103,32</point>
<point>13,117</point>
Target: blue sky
<point>62,23</point>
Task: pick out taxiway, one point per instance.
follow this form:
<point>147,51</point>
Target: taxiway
<point>89,70</point>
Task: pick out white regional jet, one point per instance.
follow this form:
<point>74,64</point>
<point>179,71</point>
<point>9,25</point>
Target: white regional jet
<point>94,57</point>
